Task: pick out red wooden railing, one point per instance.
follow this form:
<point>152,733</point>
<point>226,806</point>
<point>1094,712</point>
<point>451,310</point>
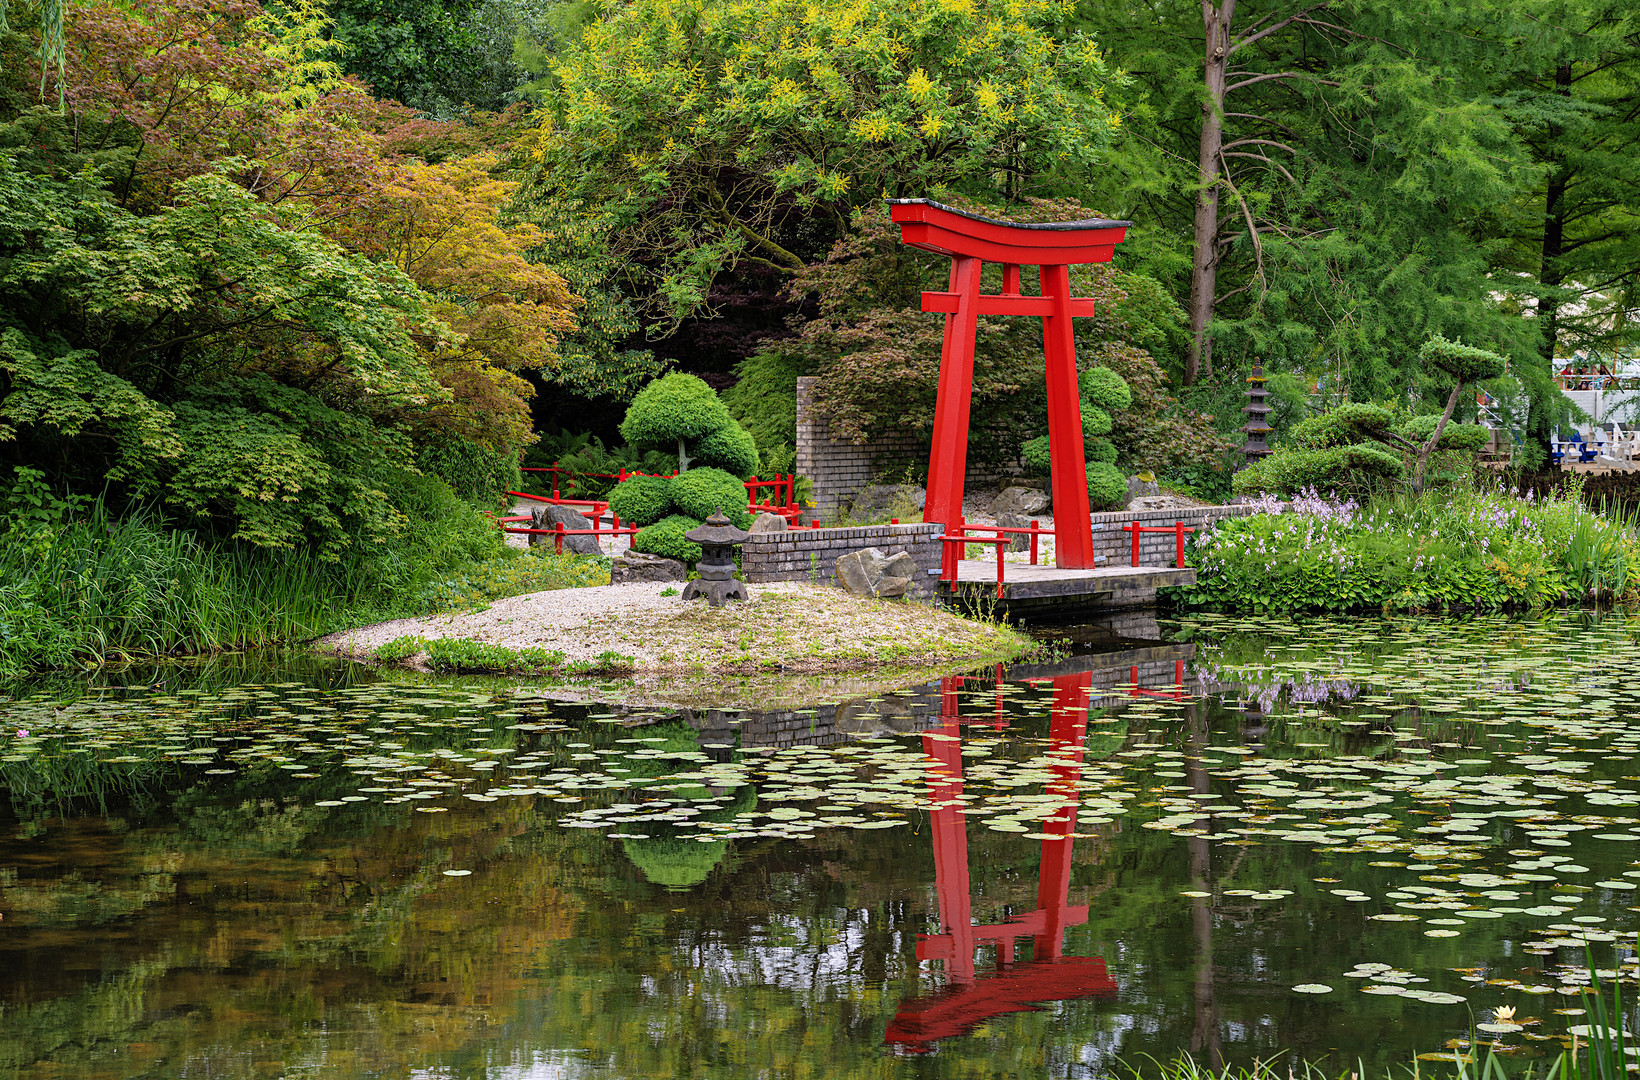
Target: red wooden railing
<point>782,502</point>
<point>1178,529</point>
<point>958,535</point>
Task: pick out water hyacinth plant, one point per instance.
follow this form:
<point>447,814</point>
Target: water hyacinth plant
<point>1480,550</point>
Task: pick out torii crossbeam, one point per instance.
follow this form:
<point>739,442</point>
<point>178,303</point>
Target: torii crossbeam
<point>971,241</point>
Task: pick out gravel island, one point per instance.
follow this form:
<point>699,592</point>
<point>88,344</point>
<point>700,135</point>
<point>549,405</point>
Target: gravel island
<point>787,627</point>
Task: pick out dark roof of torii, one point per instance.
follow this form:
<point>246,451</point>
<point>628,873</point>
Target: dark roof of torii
<point>1058,226</point>
<point>944,230</point>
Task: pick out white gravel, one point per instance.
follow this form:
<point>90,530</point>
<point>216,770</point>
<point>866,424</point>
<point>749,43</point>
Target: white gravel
<point>554,619</point>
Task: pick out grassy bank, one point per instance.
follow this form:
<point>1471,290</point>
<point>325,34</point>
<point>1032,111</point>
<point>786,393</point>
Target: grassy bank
<point>80,586</point>
<point>1455,549</point>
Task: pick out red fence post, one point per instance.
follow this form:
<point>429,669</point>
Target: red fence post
<point>1138,530</point>
<point>1178,543</point>
<point>1034,534</point>
<point>558,537</point>
<point>1002,545</point>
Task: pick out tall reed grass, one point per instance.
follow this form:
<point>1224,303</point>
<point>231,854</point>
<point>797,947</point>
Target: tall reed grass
<point>84,587</point>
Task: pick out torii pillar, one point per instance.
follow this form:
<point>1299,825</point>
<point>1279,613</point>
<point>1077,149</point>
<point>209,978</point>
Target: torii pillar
<point>970,241</point>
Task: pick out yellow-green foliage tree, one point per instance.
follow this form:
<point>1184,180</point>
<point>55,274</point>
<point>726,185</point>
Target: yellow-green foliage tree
<point>711,135</point>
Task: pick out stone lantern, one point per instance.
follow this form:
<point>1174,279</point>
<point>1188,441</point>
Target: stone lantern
<point>718,540</point>
<point>1257,427</point>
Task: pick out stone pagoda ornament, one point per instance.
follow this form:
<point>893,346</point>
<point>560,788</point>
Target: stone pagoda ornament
<point>1257,427</point>
<point>718,540</point>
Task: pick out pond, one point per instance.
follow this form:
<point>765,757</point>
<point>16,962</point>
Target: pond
<point>1339,840</point>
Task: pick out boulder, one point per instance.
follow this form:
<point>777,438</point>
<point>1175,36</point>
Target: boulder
<point>768,523</point>
<point>548,516</point>
<point>904,499</point>
<point>1020,500</point>
<point>1143,486</point>
<point>641,566</point>
<point>1017,541</point>
<point>872,572</point>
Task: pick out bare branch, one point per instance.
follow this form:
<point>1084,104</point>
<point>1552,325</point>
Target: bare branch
<point>1280,75</point>
<point>1273,28</point>
<point>1260,142</point>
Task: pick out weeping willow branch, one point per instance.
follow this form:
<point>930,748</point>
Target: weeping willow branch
<point>53,44</point>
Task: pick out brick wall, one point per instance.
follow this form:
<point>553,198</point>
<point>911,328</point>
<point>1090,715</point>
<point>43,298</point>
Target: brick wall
<point>1115,547</point>
<point>839,469</point>
<point>812,554</point>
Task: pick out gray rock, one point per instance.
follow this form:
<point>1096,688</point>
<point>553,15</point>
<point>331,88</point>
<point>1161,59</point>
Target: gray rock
<point>872,572</point>
<point>1018,541</point>
<point>858,571</point>
<point>900,564</point>
<point>893,586</point>
<point>641,566</point>
<point>548,516</point>
<point>906,499</point>
<point>1020,500</point>
<point>1142,489</point>
<point>768,523</point>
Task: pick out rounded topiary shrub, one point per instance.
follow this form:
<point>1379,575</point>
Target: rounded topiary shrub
<point>1102,450</point>
<point>1035,458</point>
<point>731,449</point>
<point>642,500</point>
<point>1107,487</point>
<point>1103,387</point>
<point>665,538</point>
<point>1095,421</point>
<point>703,492</point>
<point>672,408</point>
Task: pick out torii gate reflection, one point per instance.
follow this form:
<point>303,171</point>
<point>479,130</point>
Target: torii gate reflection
<point>970,998</point>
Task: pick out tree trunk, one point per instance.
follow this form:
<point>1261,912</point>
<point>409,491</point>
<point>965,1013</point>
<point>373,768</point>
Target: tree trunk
<point>1205,254</point>
<point>683,458</point>
<point>1435,439</point>
<point>1550,271</point>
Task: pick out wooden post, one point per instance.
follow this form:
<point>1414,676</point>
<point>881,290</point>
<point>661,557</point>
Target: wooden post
<point>948,457</point>
<point>1072,525</point>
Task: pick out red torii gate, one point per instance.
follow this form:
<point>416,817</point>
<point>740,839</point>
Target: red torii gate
<point>969,999</point>
<point>971,241</point>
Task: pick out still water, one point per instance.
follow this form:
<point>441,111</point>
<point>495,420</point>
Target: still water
<point>1340,840</point>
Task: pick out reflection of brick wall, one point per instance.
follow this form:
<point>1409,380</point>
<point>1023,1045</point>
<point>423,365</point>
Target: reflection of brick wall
<point>839,469</point>
<point>1155,549</point>
<point>812,554</point>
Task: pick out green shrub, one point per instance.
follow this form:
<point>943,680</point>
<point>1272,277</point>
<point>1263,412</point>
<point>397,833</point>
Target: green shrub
<point>764,401</point>
<point>1346,425</point>
<point>700,493</point>
<point>680,411</point>
<point>1035,458</point>
<point>1355,470</point>
<point>1470,438</point>
<point>665,538</point>
<point>464,656</point>
<point>1463,362</point>
<point>1095,422</point>
<point>642,500</point>
<point>1107,486</point>
<point>731,449</point>
<point>400,648</point>
<point>1431,552</point>
<point>475,473</point>
<point>1105,389</point>
<point>1037,461</point>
